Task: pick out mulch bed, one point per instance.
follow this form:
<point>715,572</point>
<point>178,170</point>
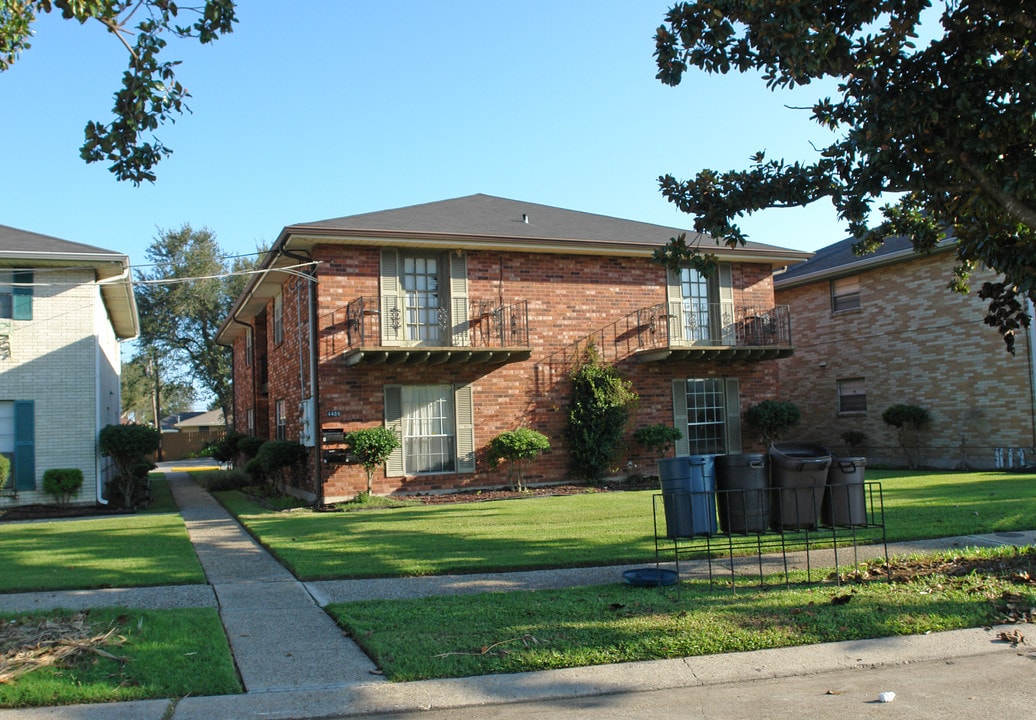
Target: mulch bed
<point>41,512</point>
<point>467,496</point>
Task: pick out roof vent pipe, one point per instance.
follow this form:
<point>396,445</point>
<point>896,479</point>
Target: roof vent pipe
<point>525,218</point>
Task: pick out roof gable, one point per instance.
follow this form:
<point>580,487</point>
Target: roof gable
<point>23,242</point>
<point>839,260</point>
<point>493,217</point>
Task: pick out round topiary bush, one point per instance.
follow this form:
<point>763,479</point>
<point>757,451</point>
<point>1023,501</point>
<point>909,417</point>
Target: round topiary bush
<point>62,483</point>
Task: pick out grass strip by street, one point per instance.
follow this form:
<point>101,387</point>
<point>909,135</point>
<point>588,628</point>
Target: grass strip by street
<point>510,632</point>
<point>148,548</point>
<point>150,654</point>
<point>596,528</point>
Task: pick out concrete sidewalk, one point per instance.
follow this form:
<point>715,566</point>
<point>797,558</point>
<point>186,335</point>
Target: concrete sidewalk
<point>296,663</point>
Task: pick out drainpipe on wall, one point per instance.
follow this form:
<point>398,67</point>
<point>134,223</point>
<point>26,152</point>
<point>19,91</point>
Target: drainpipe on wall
<point>1031,338</point>
<point>314,384</point>
<point>98,481</point>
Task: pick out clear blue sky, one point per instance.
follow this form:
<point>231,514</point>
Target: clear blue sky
<point>323,108</point>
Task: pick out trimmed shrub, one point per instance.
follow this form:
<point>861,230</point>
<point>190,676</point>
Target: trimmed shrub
<point>659,438</point>
<point>226,450</point>
<point>372,447</point>
<point>276,458</point>
<point>773,418</point>
<point>218,480</point>
<point>248,446</point>
<point>5,470</point>
<point>62,483</point>
<point>600,406</point>
<point>129,447</point>
<point>908,421</point>
<point>517,447</point>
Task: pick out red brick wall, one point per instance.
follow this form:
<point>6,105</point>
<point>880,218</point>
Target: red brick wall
<point>568,296</point>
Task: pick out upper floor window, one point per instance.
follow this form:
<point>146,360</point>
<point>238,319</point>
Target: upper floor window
<point>424,298</point>
<point>845,294</point>
<point>15,295</point>
<point>852,395</point>
<point>278,319</point>
<point>701,307</point>
<point>249,346</point>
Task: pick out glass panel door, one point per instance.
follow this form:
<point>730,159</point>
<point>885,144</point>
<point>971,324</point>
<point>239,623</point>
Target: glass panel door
<point>694,290</point>
<point>423,308</point>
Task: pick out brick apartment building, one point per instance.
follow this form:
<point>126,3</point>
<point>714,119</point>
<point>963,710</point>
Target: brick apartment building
<point>451,322</point>
<point>884,329</point>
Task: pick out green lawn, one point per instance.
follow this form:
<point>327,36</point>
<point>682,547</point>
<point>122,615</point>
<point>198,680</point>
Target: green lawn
<point>148,548</point>
<point>590,529</point>
<point>166,654</point>
<point>574,530</point>
<point>539,630</point>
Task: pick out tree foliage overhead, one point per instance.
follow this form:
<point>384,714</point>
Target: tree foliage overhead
<point>138,388</point>
<point>182,302</point>
<point>150,94</point>
<point>947,123</point>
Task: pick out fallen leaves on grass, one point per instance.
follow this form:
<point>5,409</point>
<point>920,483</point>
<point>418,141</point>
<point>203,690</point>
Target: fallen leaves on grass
<point>496,649</point>
<point>31,643</point>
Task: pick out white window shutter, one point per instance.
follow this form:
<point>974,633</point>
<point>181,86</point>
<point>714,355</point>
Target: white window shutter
<point>674,294</point>
<point>394,422</point>
<point>465,409</point>
<point>391,303</point>
<point>683,445</point>
<point>732,397</point>
<point>728,328</point>
<point>459,299</point>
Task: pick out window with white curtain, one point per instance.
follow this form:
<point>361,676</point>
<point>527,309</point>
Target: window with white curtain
<point>429,436</point>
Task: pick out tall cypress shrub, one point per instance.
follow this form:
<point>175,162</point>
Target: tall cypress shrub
<point>600,407</point>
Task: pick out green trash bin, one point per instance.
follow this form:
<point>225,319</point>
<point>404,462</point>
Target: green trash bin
<point>688,495</point>
<point>845,504</point>
<point>798,477</point>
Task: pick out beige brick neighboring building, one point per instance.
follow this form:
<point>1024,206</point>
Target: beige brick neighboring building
<point>885,329</point>
<point>64,309</point>
<point>451,322</point>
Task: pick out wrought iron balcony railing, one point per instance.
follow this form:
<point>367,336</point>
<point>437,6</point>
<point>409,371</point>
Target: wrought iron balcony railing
<point>685,330</point>
<point>389,325</point>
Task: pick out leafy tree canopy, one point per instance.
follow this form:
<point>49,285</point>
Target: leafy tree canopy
<point>182,301</point>
<point>948,124</point>
<point>150,94</point>
<point>138,387</point>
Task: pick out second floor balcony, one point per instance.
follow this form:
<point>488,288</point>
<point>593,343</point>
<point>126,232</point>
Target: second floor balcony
<point>723,330</point>
<point>390,330</point>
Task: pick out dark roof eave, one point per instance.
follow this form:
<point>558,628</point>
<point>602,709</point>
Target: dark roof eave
<point>856,266</point>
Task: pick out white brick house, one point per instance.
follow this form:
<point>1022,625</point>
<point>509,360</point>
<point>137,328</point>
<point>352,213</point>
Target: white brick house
<point>64,309</point>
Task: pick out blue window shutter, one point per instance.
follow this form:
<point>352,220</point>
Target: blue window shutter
<point>21,297</point>
<point>24,469</point>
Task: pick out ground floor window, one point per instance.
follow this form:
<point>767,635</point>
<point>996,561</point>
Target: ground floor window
<point>281,420</point>
<point>435,426</point>
<point>708,413</point>
<point>18,442</point>
<point>428,433</point>
<point>852,395</point>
